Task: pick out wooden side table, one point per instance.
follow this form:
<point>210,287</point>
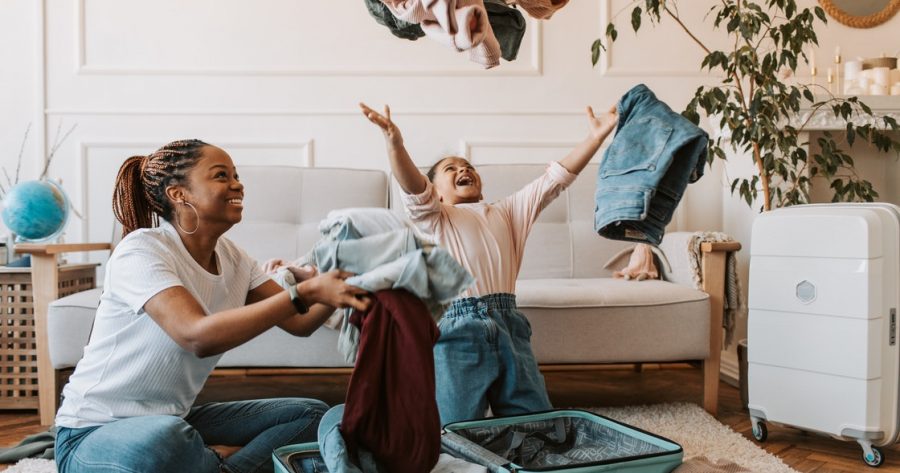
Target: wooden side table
<point>46,276</point>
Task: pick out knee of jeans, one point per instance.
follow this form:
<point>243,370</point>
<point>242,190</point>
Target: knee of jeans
<point>298,408</point>
<point>169,429</point>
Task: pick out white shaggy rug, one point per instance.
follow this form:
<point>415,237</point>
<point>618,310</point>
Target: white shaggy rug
<point>705,440</point>
<point>709,446</point>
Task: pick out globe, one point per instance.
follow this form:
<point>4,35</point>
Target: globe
<point>36,210</point>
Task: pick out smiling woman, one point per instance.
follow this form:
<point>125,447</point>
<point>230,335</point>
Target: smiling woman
<point>861,13</point>
<point>177,295</point>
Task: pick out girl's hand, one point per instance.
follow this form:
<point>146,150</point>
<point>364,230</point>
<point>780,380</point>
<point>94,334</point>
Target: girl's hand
<point>332,290</point>
<point>390,130</point>
<point>272,265</point>
<point>302,273</point>
<point>602,125</point>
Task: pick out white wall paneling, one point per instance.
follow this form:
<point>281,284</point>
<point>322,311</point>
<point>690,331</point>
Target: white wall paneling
<point>658,50</point>
<point>273,37</point>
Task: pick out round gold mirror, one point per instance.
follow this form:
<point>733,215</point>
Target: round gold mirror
<point>861,13</point>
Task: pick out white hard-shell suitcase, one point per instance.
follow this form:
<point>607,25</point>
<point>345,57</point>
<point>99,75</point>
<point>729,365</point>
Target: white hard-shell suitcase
<point>822,330</point>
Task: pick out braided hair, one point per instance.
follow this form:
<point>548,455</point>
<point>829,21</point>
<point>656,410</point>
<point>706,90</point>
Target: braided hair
<point>140,197</point>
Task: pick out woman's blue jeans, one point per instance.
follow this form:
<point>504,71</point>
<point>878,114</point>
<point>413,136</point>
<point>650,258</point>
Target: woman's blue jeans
<point>172,444</point>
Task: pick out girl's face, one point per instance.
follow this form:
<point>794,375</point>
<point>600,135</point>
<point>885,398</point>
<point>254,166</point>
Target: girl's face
<point>457,182</point>
<point>214,190</point>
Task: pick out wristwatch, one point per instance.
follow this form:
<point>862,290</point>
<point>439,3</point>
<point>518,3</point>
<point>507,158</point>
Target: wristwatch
<point>295,299</point>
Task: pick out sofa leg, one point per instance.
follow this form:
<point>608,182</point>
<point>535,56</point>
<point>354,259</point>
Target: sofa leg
<point>713,266</point>
<point>638,367</point>
<point>711,386</point>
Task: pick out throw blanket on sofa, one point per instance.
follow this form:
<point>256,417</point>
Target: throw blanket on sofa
<point>732,284</point>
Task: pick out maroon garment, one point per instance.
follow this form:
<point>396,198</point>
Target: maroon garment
<point>391,409</point>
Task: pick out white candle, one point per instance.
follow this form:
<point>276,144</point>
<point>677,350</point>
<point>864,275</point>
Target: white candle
<point>837,52</point>
<point>895,90</point>
<point>852,70</point>
<point>881,76</point>
<point>863,82</point>
<point>878,89</point>
<point>812,58</point>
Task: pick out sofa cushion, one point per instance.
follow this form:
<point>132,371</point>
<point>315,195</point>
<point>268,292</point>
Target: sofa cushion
<point>69,323</point>
<point>276,348</point>
<point>622,321</point>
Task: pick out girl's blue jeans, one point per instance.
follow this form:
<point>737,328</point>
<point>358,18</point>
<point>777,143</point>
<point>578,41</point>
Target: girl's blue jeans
<point>166,443</point>
<point>484,358</point>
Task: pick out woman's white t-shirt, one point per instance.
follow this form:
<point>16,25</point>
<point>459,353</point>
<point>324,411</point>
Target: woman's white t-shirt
<point>131,367</point>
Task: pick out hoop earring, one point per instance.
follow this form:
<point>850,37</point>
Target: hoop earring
<point>195,213</point>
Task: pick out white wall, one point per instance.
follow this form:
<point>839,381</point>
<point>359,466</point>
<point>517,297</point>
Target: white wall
<point>277,82</point>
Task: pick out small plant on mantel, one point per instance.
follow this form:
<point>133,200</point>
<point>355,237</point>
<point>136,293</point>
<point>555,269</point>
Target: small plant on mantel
<point>760,113</point>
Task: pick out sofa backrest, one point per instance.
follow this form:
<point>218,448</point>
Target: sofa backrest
<point>283,205</point>
<point>563,243</point>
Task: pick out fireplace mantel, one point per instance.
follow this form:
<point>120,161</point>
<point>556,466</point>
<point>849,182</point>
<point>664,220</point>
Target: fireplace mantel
<point>824,119</point>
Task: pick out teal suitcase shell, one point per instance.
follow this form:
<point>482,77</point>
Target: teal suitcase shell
<point>571,441</point>
<point>288,459</point>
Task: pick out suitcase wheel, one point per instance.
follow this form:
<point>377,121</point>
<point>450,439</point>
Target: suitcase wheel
<point>874,458</point>
<point>760,432</point>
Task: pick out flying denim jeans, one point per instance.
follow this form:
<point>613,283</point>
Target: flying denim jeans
<point>483,358</point>
<point>170,443</point>
<point>654,155</point>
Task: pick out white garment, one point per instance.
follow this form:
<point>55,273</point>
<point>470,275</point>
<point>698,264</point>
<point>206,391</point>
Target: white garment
<point>131,366</point>
<point>450,464</point>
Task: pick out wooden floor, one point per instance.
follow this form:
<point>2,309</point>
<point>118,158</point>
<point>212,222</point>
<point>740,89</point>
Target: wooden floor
<point>614,386</point>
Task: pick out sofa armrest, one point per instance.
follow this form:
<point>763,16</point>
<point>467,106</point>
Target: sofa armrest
<point>675,246</point>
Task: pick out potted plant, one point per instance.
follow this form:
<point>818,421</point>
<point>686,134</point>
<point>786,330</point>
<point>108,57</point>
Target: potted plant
<point>759,113</point>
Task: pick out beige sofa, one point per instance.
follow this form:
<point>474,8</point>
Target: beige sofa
<point>579,314</point>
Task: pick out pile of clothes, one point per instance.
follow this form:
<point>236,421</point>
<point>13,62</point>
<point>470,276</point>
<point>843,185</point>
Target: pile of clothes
<point>487,29</point>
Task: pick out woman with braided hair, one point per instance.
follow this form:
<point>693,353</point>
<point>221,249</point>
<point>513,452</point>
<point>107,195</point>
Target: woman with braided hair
<point>176,296</point>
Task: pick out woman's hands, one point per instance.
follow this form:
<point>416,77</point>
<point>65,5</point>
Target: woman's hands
<point>300,273</point>
<point>603,124</point>
<point>332,290</point>
<point>390,130</point>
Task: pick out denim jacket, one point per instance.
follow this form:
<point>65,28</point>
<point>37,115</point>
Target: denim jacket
<point>655,154</point>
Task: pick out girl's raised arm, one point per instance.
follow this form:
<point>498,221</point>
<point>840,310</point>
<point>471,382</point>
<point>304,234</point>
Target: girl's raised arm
<point>405,171</point>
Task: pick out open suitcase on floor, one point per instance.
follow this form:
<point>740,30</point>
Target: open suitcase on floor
<point>571,441</point>
<point>822,326</point>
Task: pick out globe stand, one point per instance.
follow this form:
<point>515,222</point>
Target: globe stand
<point>13,259</point>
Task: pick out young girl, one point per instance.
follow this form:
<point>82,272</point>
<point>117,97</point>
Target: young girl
<point>483,357</point>
<point>176,296</point>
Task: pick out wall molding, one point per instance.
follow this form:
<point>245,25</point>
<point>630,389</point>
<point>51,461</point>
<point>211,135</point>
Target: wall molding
<point>729,369</point>
<point>84,146</point>
<point>608,69</point>
<point>465,146</point>
<point>534,31</point>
